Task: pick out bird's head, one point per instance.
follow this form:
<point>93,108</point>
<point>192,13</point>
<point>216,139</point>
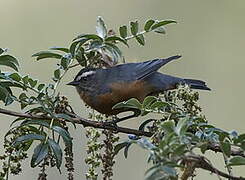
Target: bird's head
<point>84,80</point>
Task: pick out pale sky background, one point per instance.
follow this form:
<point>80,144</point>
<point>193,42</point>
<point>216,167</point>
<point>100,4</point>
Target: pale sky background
<point>209,35</point>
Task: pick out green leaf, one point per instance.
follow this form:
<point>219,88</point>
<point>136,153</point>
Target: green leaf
<point>89,37</point>
<point>226,148</point>
<point>32,82</point>
<point>9,61</point>
<point>40,87</point>
<point>64,134</point>
<point>158,105</point>
<point>25,79</point>
<point>28,137</point>
<point>162,23</point>
<point>57,152</point>
<point>57,73</point>
<point>112,51</point>
<point>182,126</point>
<point>126,150</point>
<point>134,26</point>
<point>36,122</point>
<point>123,31</point>
<point>160,172</point>
<point>131,103</point>
<point>40,152</point>
<point>15,77</point>
<point>101,28</point>
<point>116,38</point>
<point>120,146</point>
<point>160,30</point>
<point>168,126</point>
<point>3,93</point>
<point>237,161</point>
<point>140,38</point>
<point>66,50</point>
<point>180,150</point>
<point>148,101</point>
<point>2,50</point>
<point>9,100</point>
<point>148,25</point>
<point>46,54</point>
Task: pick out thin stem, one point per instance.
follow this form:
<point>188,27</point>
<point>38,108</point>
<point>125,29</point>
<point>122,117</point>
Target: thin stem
<point>133,36</point>
<point>229,169</point>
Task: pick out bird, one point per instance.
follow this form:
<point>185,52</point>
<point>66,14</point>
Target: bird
<point>102,88</point>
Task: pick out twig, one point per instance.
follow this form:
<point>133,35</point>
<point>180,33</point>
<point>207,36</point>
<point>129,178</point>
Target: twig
<point>79,120</point>
<point>105,125</point>
<point>202,162</point>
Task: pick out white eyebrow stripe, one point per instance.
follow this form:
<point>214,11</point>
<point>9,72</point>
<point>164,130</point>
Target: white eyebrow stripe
<point>85,74</point>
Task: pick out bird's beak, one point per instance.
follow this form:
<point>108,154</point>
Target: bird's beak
<point>73,83</point>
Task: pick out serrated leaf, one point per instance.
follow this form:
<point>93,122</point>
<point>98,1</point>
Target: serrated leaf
<point>40,152</point>
<point>148,25</point>
<point>101,28</point>
<point>123,31</point>
<point>9,61</point>
<point>162,23</point>
<point>46,54</point>
<point>64,134</point>
<point>237,161</point>
<point>140,38</point>
<point>66,50</point>
<point>134,27</point>
<point>226,148</point>
<point>28,137</point>
<point>57,152</point>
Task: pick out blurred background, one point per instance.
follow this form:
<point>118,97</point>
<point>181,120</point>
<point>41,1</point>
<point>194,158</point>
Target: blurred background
<point>209,35</point>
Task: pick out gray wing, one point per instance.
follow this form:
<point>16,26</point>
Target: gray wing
<point>142,70</point>
<point>136,71</point>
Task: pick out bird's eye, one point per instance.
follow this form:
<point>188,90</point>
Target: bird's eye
<point>85,78</point>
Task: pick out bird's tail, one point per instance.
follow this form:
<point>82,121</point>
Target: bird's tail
<point>196,84</point>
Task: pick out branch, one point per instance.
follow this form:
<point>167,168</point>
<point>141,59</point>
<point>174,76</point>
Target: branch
<point>203,163</point>
<point>79,120</point>
<point>109,126</point>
